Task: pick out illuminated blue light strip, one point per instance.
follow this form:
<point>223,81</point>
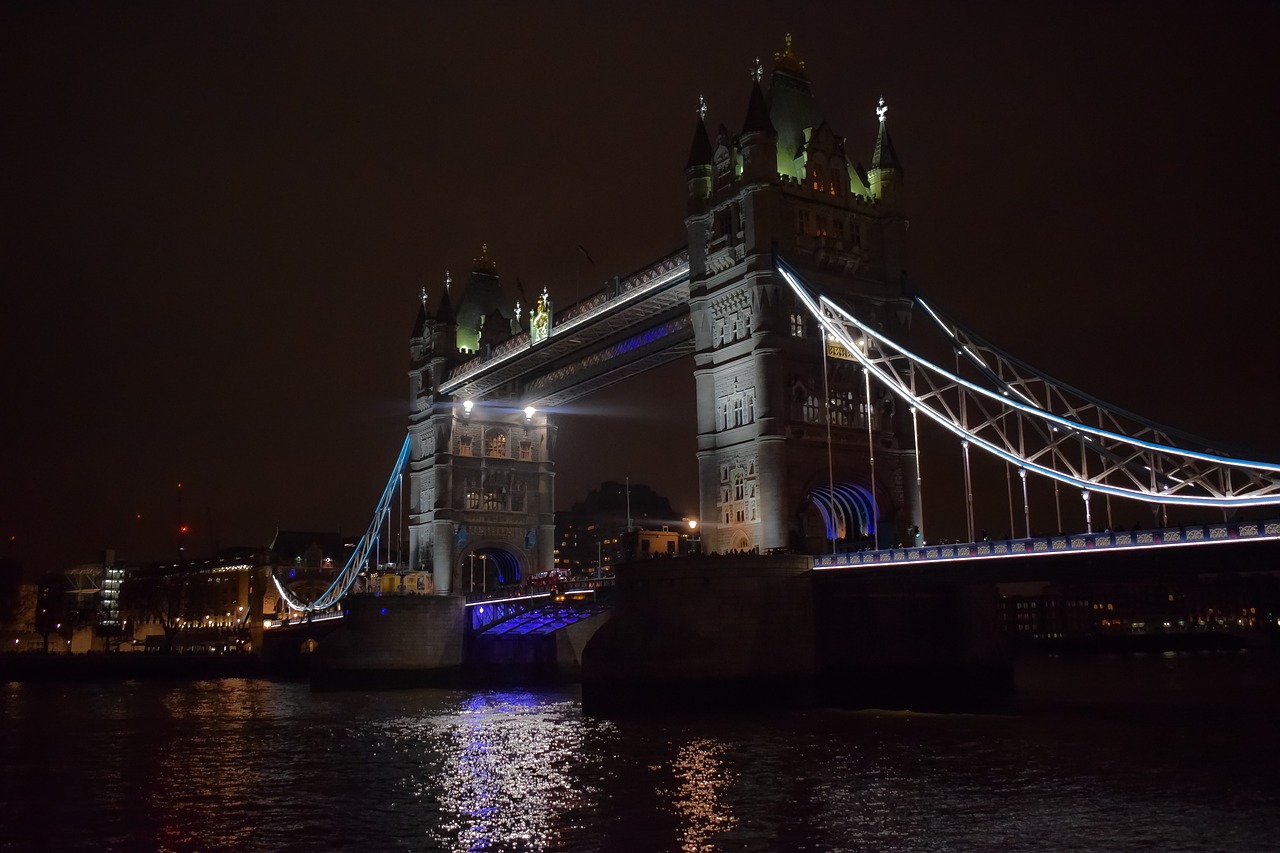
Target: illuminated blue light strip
<point>360,556</point>
<point>1080,543</point>
<point>529,597</point>
<point>842,337</point>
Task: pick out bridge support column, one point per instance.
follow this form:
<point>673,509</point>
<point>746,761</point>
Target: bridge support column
<point>442,556</point>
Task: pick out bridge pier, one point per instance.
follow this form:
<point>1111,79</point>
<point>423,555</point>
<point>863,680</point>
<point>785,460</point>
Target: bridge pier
<point>393,641</point>
<point>765,630</point>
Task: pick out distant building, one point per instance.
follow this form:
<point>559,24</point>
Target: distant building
<point>213,604</point>
<point>619,522</point>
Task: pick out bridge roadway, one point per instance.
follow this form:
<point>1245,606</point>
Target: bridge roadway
<point>1251,546</point>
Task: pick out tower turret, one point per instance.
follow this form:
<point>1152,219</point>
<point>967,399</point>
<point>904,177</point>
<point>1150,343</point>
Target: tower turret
<point>698,168</point>
<point>759,140</point>
<point>482,297</point>
<point>886,172</point>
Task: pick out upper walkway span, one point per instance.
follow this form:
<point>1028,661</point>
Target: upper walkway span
<point>634,324</point>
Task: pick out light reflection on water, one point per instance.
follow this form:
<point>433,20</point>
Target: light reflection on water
<point>702,779</point>
<point>504,776</point>
<point>256,765</point>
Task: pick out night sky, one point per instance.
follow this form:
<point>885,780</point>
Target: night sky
<point>218,217</point>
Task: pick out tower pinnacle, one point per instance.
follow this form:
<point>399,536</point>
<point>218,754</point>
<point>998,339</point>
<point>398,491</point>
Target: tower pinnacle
<point>788,62</point>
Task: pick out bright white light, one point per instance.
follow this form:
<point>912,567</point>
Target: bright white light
<point>528,412</point>
<point>693,524</point>
<point>466,406</point>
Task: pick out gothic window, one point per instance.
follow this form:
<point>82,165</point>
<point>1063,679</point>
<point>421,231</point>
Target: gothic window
<point>842,407</point>
<point>464,445</point>
<point>739,486</point>
<point>737,412</point>
<point>823,226</point>
<point>492,499</point>
<point>517,496</point>
<point>804,222</point>
<point>835,181</point>
<point>473,494</point>
<point>797,325</point>
<point>811,411</point>
<point>751,409</point>
<point>855,233</point>
<point>526,450</point>
<point>495,444</point>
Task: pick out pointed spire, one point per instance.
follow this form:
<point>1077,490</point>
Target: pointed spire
<point>445,312</point>
<point>700,149</point>
<point>885,157</point>
<point>420,323</point>
<point>757,120</point>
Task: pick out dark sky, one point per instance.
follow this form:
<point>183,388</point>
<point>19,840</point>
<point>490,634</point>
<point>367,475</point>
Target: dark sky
<point>217,218</point>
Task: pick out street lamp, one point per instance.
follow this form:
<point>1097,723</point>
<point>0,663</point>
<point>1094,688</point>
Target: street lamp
<point>695,542</point>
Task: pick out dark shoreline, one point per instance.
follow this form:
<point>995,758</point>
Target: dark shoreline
<point>130,666</point>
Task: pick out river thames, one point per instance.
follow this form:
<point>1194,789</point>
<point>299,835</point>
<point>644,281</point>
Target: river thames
<point>1188,760</point>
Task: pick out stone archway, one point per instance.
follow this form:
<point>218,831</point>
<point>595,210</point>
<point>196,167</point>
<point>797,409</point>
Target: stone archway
<point>845,512</point>
<point>491,567</point>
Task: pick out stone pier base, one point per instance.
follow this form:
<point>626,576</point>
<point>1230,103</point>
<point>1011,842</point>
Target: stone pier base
<point>754,631</point>
<point>393,641</point>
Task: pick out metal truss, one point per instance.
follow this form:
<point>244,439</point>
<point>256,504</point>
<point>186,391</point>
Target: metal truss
<point>359,559</point>
<point>1043,426</point>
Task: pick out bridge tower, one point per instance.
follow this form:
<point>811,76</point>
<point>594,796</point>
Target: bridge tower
<point>765,390</point>
<point>480,472</point>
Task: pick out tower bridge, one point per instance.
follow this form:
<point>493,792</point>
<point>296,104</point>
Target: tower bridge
<point>792,300</point>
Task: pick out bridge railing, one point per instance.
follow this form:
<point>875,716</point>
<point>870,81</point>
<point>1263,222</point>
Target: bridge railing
<point>1060,544</point>
<point>532,591</point>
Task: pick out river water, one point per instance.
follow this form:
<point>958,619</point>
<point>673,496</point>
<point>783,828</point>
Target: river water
<point>1191,764</point>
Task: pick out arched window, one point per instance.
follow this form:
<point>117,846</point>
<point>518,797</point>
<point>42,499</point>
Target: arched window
<point>495,444</point>
<point>811,409</point>
<point>492,499</point>
<point>517,496</point>
<point>464,445</point>
<point>797,325</point>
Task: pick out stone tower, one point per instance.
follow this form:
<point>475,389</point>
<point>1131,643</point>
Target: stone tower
<point>765,392</point>
<point>480,473</point>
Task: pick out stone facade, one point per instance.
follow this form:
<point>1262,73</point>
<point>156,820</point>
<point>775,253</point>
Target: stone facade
<point>785,186</point>
<point>480,473</point>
